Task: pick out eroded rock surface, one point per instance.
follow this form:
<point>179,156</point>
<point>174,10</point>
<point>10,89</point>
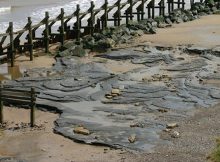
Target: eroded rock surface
<point>128,109</point>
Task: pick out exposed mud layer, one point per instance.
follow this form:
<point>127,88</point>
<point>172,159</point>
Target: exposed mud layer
<point>138,103</point>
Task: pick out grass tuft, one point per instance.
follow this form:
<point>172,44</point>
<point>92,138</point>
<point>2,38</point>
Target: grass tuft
<point>215,155</point>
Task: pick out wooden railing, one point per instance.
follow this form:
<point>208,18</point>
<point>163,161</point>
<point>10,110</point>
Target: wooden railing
<point>11,96</point>
<point>97,21</point>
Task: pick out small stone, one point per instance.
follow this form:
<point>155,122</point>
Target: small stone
<point>162,110</point>
<point>108,96</point>
<point>167,130</point>
<point>137,104</point>
<point>114,95</point>
<point>175,134</point>
<point>81,130</point>
<point>132,138</point>
<point>115,91</point>
<point>134,125</point>
<point>171,125</point>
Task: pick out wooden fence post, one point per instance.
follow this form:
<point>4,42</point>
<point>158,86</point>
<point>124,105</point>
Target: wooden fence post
<point>162,8</point>
<point>11,43</point>
<point>1,50</point>
<point>33,106</point>
<point>131,9</point>
<point>149,6</point>
<point>178,4</point>
<point>119,13</point>
<point>92,18</point>
<point>183,4</point>
<point>46,32</point>
<point>142,9</point>
<point>169,6</point>
<point>1,104</point>
<point>153,9</point>
<point>77,24</point>
<point>30,38</point>
<point>105,19</point>
<point>172,5</point>
<point>62,34</point>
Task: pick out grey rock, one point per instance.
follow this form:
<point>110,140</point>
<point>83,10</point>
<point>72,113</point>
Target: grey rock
<point>168,21</point>
<point>153,30</point>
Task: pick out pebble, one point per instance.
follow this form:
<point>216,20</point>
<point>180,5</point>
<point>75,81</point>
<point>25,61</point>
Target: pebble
<point>175,134</point>
<point>137,104</point>
<point>171,125</point>
<point>115,91</point>
<point>132,138</point>
<point>81,130</point>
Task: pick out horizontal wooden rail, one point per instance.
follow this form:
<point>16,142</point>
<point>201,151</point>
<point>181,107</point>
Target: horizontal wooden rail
<point>18,97</point>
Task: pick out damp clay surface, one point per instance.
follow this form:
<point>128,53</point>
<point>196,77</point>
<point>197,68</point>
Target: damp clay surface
<point>101,105</point>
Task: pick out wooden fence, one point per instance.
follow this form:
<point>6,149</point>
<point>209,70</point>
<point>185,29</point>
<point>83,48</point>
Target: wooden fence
<point>98,20</point>
<point>19,97</point>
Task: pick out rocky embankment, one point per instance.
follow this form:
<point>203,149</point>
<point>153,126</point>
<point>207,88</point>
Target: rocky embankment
<point>113,36</point>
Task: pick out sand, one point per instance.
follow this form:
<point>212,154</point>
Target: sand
<point>202,32</point>
<point>42,145</point>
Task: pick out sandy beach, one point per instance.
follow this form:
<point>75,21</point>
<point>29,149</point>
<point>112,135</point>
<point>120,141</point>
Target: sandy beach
<point>198,133</point>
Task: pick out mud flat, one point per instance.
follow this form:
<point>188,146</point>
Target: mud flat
<point>130,109</point>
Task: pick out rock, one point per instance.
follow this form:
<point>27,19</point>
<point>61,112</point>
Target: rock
<point>135,125</point>
<point>105,43</point>
<point>88,41</point>
<point>163,25</point>
<point>214,9</point>
<point>196,50</point>
<point>216,51</point>
<point>137,33</point>
<point>98,36</point>
<point>179,20</point>
<point>159,19</point>
<point>171,125</point>
<point>162,110</point>
<point>153,30</point>
<point>175,134</point>
<point>75,50</point>
<point>137,104</point>
<point>108,96</point>
<point>154,24</point>
<point>132,138</point>
<point>140,32</point>
<point>116,91</point>
<point>167,130</point>
<point>69,44</point>
<point>78,51</point>
<point>168,21</point>
<point>217,12</point>
<point>210,2</point>
<point>81,130</point>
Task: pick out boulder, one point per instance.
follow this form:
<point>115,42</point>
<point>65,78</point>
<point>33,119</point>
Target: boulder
<point>153,30</point>
<point>168,21</point>
<point>75,50</point>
